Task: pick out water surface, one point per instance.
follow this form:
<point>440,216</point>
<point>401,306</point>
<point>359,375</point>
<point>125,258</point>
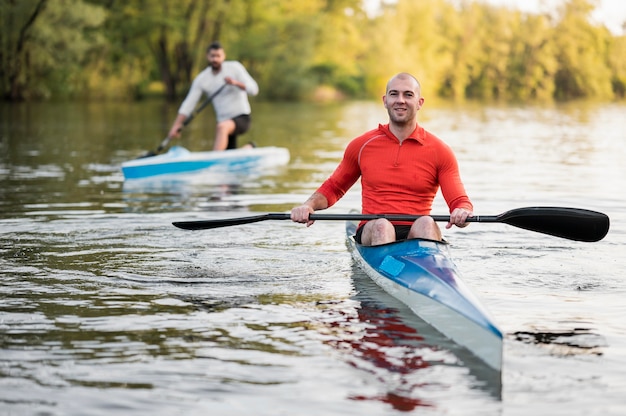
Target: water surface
<point>107,308</point>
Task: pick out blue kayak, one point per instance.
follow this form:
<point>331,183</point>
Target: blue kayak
<point>421,274</point>
<point>179,160</point>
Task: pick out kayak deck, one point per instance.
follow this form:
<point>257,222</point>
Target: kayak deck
<point>179,160</point>
<point>421,274</point>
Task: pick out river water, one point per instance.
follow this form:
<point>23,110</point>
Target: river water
<point>106,308</point>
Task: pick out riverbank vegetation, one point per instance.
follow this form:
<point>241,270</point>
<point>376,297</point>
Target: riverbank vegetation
<point>296,50</point>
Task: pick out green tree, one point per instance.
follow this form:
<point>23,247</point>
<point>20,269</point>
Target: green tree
<point>617,64</point>
<point>44,45</point>
<point>495,31</point>
<point>533,62</point>
<point>276,43</point>
<point>339,46</point>
<point>581,51</point>
<point>407,37</point>
<point>162,40</point>
<point>465,34</point>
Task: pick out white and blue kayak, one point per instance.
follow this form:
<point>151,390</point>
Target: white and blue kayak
<point>179,160</point>
<point>421,274</point>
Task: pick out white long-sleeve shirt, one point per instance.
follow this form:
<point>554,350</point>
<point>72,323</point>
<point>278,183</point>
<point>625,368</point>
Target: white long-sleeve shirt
<point>232,101</point>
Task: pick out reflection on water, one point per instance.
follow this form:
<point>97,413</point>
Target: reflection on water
<point>564,343</point>
<point>408,358</point>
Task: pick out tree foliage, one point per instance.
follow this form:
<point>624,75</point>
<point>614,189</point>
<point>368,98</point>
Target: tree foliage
<point>44,46</point>
<point>581,53</point>
<point>458,49</point>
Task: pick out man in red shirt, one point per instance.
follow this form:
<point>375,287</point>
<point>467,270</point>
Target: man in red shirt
<point>401,167</point>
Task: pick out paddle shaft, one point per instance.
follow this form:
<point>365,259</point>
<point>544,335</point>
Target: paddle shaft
<point>366,217</point>
<point>208,224</point>
<point>202,105</point>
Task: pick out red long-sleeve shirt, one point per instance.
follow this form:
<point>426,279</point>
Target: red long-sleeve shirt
<point>398,178</point>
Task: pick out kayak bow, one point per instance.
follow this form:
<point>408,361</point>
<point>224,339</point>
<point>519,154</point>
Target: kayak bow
<point>421,274</point>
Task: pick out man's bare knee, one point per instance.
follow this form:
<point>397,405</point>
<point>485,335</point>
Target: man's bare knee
<point>377,232</point>
<point>425,227</point>
<point>222,130</point>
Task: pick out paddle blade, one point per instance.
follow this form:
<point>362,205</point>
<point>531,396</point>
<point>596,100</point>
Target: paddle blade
<point>571,223</point>
<point>159,149</point>
<point>229,222</point>
<point>149,153</point>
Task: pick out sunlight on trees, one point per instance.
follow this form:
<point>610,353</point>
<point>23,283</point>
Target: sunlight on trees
<point>318,49</point>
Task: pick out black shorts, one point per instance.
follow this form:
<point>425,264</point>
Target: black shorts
<point>402,232</point>
<point>242,125</point>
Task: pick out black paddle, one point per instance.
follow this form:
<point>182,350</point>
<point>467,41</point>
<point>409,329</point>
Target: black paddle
<point>167,140</point>
<point>571,223</point>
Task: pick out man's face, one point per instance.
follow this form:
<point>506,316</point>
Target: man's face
<point>216,57</point>
<point>402,100</point>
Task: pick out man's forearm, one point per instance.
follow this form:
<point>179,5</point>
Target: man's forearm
<point>317,201</point>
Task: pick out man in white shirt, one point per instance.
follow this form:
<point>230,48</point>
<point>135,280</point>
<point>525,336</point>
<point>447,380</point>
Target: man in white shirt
<point>231,105</point>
